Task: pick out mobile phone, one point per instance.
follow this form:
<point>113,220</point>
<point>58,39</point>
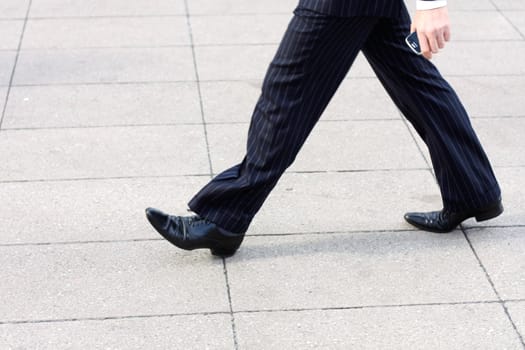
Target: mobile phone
<point>413,42</point>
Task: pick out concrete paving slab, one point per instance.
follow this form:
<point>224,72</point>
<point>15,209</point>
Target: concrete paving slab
<point>3,94</point>
<point>105,65</point>
<point>491,96</point>
<point>361,99</point>
<point>501,138</point>
<point>517,18</point>
<point>105,280</point>
<point>102,105</point>
<point>332,146</point>
<point>234,101</point>
<point>472,25</point>
<point>179,332</point>
<point>7,59</point>
<point>10,31</point>
<point>229,101</point>
<point>223,7</point>
<point>106,32</point>
<point>13,8</point>
<point>80,8</point>
<point>89,210</point>
<point>483,326</point>
<point>234,62</point>
<point>353,270</point>
<point>501,251</point>
<point>509,4</point>
<point>239,29</point>
<point>517,312</point>
<point>102,152</point>
<point>341,202</point>
<point>457,60</point>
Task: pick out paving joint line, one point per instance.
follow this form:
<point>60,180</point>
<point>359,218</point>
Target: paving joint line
<point>205,129</point>
<point>210,313</point>
<point>508,20</point>
<point>348,120</point>
<point>489,279</point>
<point>11,78</point>
<point>248,236</point>
<point>207,81</point>
<point>296,172</point>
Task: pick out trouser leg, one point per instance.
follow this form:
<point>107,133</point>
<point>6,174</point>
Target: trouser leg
<point>312,60</point>
<point>461,166</point>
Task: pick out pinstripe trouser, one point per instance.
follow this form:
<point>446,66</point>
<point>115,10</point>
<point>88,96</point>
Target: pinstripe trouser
<point>313,58</point>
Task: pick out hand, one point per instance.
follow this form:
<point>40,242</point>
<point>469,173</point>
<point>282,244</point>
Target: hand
<point>433,30</point>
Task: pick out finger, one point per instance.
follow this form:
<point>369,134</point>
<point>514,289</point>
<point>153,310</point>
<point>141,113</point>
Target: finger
<point>425,48</point>
<point>433,43</point>
<point>446,34</point>
<point>412,28</point>
<point>440,40</point>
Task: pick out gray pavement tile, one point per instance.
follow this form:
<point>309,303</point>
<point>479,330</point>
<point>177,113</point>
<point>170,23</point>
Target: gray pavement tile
<point>96,105</point>
<point>361,99</point>
<point>239,29</point>
<point>3,95</point>
<point>7,59</point>
<point>517,312</point>
<point>101,280</point>
<point>425,327</point>
<point>472,25</point>
<point>353,270</point>
<point>326,202</point>
<point>89,210</point>
<point>229,101</point>
<point>222,7</point>
<point>10,31</point>
<point>457,58</point>
<point>234,101</point>
<point>491,96</point>
<point>13,8</point>
<point>179,332</point>
<point>509,4</point>
<point>106,32</point>
<point>248,62</point>
<point>517,18</point>
<point>81,8</point>
<point>502,253</point>
<point>332,146</point>
<point>104,65</point>
<point>99,152</point>
<point>483,326</point>
<point>502,137</point>
<point>513,194</point>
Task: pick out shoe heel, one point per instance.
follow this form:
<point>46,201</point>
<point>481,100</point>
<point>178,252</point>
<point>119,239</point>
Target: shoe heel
<point>223,252</point>
<point>490,213</point>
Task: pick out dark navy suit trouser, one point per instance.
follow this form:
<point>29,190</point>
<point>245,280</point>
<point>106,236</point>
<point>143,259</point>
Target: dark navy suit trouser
<point>313,58</point>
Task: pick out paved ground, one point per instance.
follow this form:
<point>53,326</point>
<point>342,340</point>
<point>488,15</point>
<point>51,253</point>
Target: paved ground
<point>112,106</point>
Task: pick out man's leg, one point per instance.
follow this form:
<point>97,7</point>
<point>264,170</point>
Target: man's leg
<point>312,60</point>
<point>462,169</point>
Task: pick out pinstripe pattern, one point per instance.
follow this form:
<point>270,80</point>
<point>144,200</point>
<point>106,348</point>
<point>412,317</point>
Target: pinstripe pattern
<point>314,56</point>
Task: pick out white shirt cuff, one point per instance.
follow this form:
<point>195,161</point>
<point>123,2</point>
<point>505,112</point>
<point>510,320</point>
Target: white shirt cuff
<point>429,5</point>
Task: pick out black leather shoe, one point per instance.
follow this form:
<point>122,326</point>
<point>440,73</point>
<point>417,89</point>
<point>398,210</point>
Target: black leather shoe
<point>445,220</point>
<point>194,232</point>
